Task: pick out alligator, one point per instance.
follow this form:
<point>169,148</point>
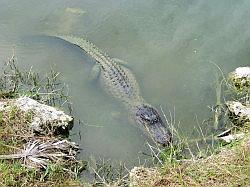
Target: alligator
<point>118,81</point>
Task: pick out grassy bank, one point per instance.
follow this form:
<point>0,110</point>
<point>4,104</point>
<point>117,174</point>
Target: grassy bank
<point>226,164</point>
<point>16,134</point>
<point>231,167</point>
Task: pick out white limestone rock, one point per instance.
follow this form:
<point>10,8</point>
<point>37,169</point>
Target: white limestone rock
<point>241,78</point>
<point>44,118</point>
<point>232,137</point>
<point>240,113</point>
<point>242,72</point>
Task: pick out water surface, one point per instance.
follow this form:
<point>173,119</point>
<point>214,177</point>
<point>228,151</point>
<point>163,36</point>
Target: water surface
<point>169,45</point>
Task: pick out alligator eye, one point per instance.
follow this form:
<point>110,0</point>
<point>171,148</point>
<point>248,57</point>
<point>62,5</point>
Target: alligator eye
<point>145,118</point>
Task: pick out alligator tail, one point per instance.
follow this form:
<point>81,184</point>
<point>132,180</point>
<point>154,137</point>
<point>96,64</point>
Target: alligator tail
<point>87,46</point>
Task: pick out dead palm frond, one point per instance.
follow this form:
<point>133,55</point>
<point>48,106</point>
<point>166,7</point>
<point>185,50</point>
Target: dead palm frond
<point>39,154</point>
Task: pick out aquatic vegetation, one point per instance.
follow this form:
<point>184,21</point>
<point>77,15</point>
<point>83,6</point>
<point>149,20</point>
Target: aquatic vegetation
<point>107,173</point>
<point>46,88</point>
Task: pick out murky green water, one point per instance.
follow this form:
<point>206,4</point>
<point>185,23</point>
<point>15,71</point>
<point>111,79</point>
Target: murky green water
<point>169,45</point>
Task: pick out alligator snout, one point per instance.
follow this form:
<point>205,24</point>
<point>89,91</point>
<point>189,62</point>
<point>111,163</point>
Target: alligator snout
<point>150,118</point>
<point>160,133</point>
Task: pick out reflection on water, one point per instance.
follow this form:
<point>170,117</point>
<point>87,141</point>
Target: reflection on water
<point>168,45</point>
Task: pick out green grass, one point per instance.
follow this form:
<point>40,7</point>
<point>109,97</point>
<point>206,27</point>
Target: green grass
<point>15,129</point>
<point>14,174</point>
<point>45,87</point>
<point>14,133</point>
<point>231,167</point>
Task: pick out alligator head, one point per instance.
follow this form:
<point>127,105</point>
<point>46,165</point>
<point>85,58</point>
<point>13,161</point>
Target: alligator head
<point>150,118</point>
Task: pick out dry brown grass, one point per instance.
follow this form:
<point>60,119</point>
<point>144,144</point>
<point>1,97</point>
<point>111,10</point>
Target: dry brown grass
<point>231,167</point>
<point>14,129</point>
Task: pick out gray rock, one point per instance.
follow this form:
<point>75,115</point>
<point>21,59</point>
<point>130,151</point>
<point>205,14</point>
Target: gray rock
<point>238,112</point>
<point>44,118</point>
<point>232,137</point>
<point>240,78</point>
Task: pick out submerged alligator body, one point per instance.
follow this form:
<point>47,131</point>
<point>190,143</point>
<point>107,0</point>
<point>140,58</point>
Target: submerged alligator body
<point>119,82</point>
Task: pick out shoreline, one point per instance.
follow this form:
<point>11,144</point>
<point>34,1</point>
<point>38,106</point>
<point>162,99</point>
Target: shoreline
<point>29,124</point>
